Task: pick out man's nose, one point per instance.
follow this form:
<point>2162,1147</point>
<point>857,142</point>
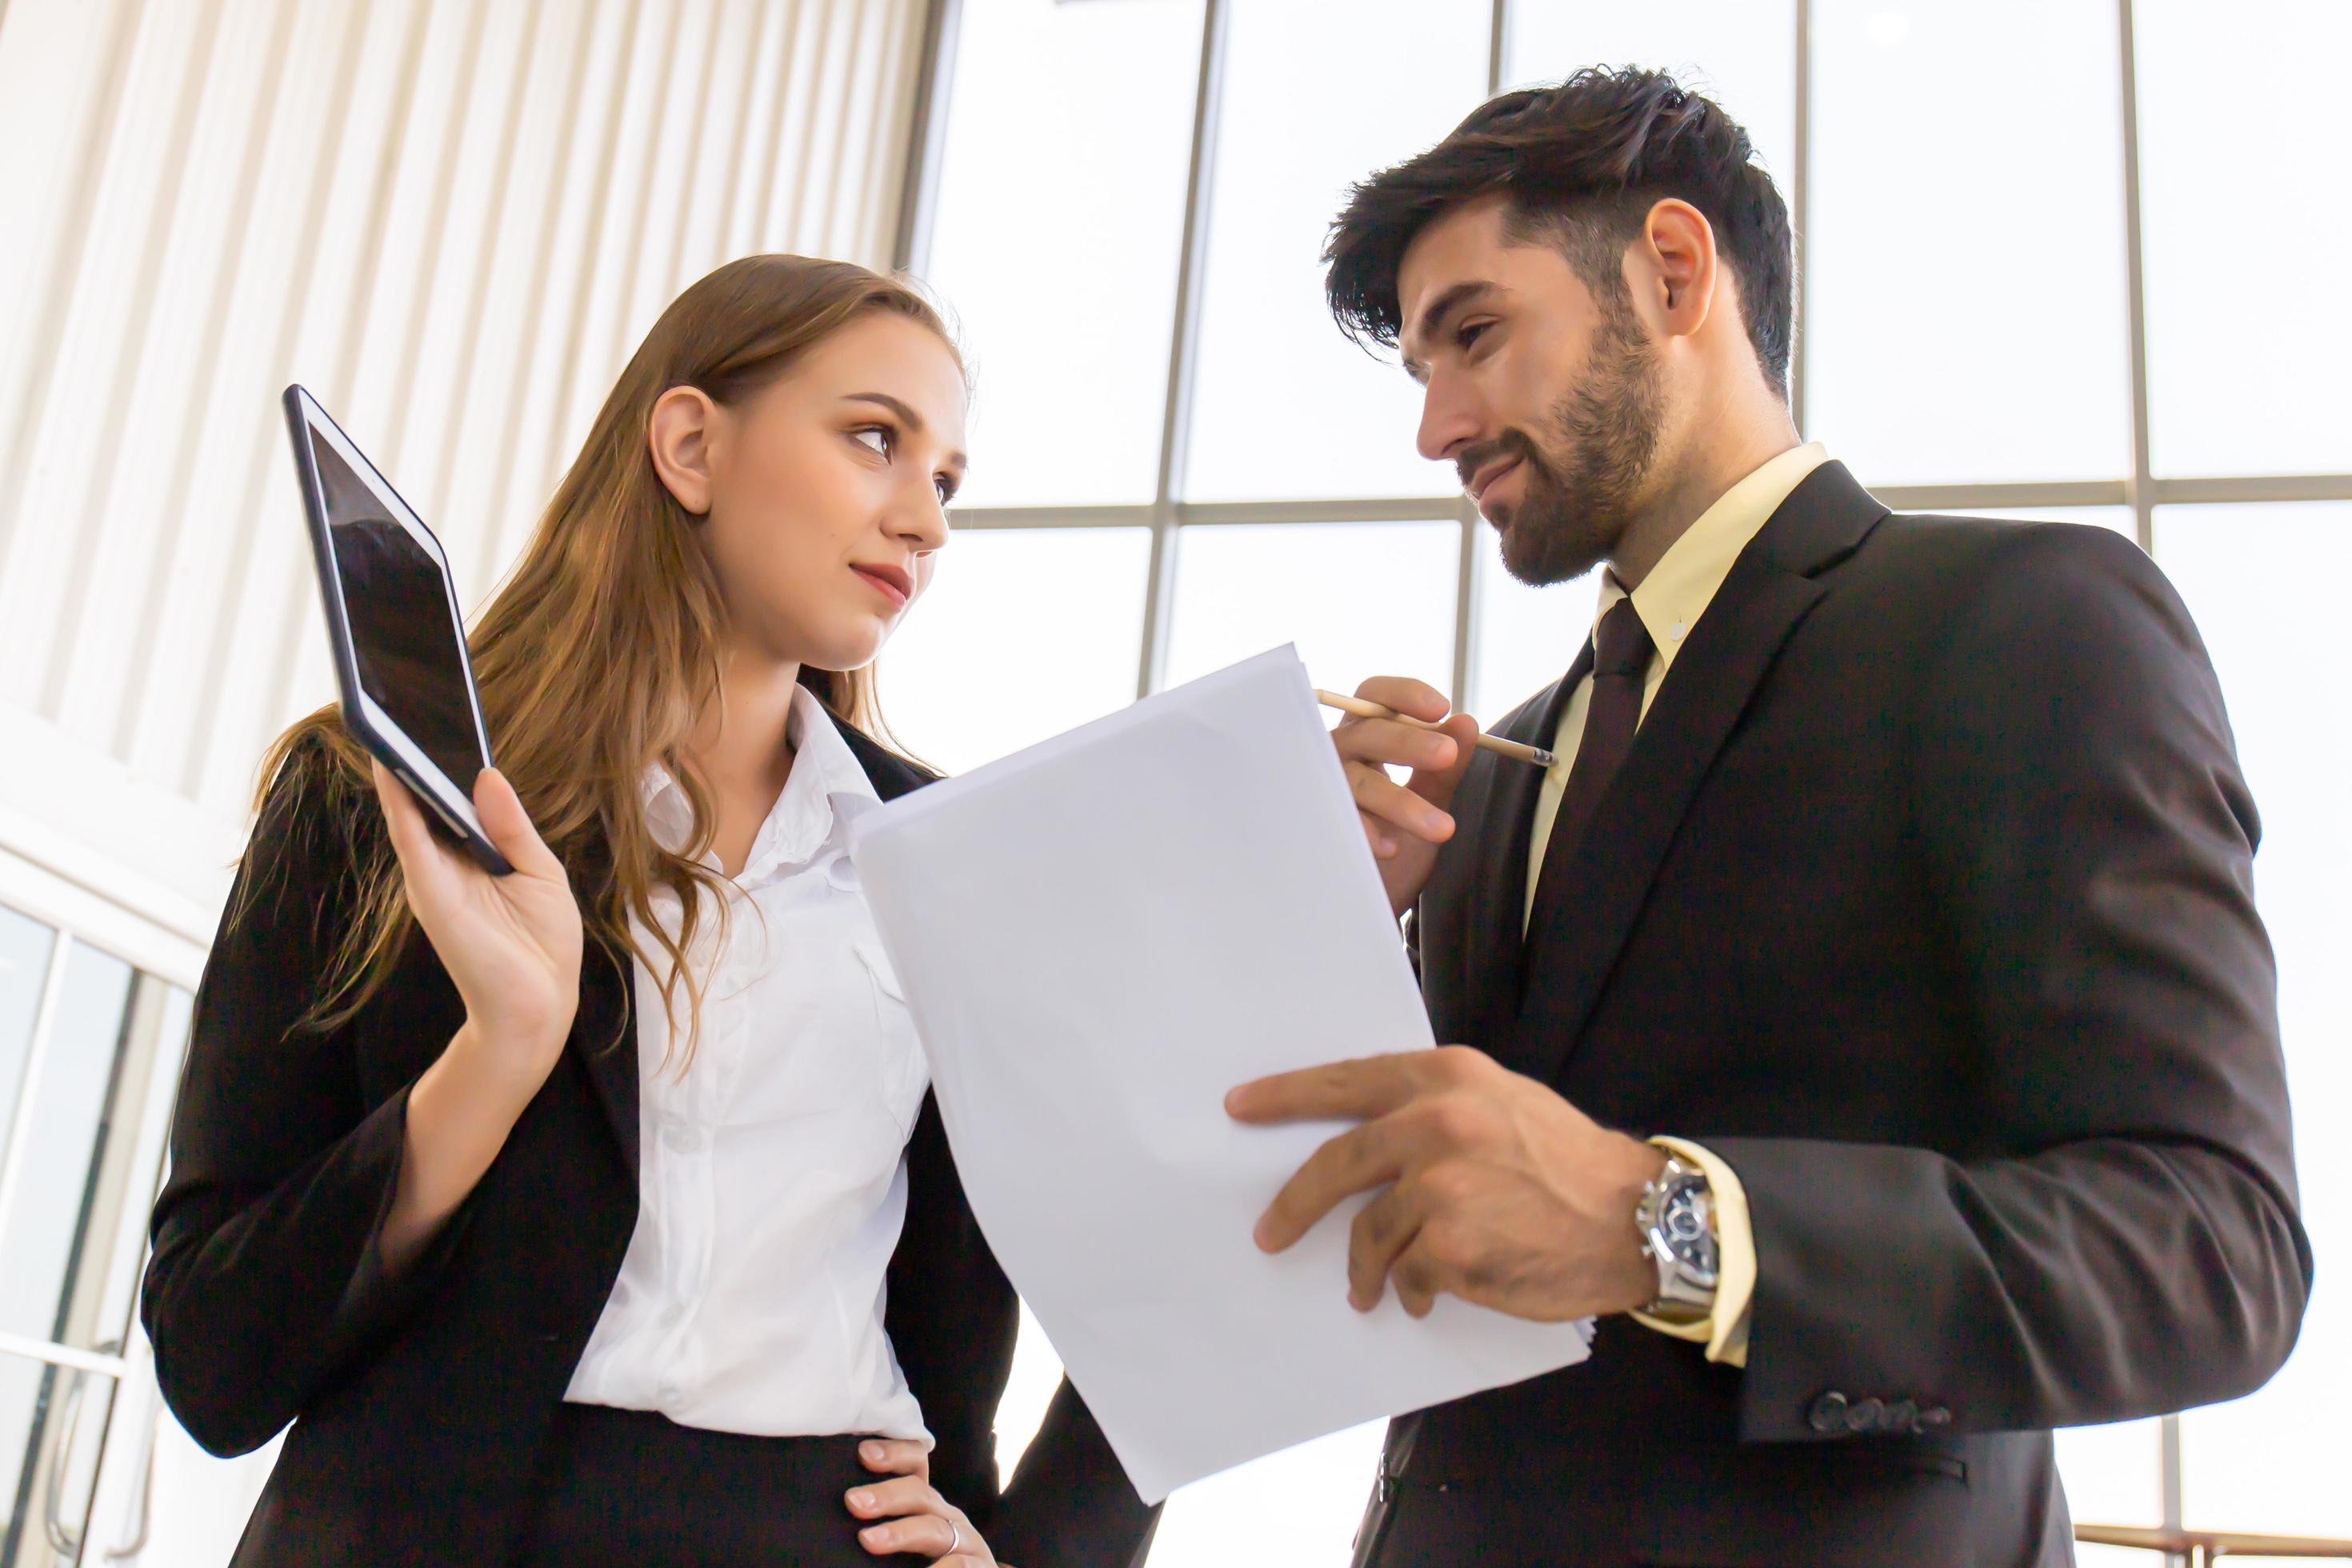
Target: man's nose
<point>1449,421</point>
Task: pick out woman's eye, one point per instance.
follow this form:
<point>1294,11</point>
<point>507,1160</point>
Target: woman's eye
<point>877,438</point>
<point>946,487</point>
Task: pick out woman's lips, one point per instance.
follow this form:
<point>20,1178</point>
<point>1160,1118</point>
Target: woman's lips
<point>884,584</point>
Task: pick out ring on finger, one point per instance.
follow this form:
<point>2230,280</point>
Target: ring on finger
<point>955,1539</point>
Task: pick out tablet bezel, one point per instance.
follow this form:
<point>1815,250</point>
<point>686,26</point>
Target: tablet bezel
<point>308,422</point>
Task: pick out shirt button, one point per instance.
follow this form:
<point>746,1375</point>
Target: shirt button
<point>1828,1413</point>
<point>1674,633</point>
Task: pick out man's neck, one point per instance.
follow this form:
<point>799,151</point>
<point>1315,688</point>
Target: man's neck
<point>1732,448</point>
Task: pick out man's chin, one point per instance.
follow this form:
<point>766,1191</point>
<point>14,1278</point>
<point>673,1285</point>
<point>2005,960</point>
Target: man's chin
<point>1539,558</point>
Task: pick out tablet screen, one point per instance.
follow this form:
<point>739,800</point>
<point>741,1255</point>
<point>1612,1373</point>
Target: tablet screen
<point>405,633</point>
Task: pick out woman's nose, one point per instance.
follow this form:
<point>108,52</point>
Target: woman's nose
<point>922,520</point>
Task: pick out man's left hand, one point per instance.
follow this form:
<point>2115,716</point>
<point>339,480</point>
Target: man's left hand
<point>1499,1190</point>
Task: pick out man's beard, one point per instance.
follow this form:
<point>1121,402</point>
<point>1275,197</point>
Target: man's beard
<point>1568,517</point>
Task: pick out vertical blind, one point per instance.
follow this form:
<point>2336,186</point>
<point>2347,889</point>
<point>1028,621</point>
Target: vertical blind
<point>452,219</point>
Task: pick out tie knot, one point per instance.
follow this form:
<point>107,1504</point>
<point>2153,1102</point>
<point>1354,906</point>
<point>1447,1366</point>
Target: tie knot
<point>1621,645</point>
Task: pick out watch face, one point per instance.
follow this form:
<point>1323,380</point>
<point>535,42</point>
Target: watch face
<point>1686,1230</point>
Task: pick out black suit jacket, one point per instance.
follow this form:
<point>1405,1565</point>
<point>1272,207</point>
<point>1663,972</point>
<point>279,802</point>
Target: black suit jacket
<point>1924,898</point>
<point>420,1403</point>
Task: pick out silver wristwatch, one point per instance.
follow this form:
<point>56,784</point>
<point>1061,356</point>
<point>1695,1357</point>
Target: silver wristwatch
<point>1675,1218</point>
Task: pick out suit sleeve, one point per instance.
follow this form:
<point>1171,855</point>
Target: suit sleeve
<point>2119,1237</point>
<point>265,1280</point>
<point>1069,1479</point>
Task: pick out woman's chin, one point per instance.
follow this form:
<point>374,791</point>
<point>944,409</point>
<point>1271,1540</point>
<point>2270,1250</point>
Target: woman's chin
<point>852,648</point>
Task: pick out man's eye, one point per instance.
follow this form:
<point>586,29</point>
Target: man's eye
<point>1470,333</point>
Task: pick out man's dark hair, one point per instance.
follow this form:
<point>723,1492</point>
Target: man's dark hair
<point>1582,164</point>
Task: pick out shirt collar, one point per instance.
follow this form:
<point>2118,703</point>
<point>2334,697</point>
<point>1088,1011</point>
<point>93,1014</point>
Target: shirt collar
<point>1684,581</point>
<point>826,780</point>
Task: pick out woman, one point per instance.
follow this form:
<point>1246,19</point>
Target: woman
<point>559,1211</point>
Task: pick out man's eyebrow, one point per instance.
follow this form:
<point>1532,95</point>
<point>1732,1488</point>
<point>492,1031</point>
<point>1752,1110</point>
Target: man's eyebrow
<point>904,411</point>
<point>1433,314</point>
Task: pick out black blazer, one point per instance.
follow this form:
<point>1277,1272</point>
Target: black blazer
<point>420,1403</point>
<point>1925,899</point>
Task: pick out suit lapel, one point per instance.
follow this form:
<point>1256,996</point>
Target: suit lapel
<point>1581,925</point>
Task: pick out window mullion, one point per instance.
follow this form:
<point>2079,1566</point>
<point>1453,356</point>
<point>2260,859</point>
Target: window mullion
<point>1175,430</point>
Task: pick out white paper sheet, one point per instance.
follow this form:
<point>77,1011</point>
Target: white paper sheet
<point>1099,937</point>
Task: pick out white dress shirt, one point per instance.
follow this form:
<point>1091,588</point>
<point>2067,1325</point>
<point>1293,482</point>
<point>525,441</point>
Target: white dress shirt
<point>772,1168</point>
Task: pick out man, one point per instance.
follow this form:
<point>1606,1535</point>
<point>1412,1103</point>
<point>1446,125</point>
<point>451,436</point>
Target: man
<point>1884,937</point>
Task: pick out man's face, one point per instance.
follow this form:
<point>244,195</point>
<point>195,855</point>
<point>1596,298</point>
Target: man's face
<point>1544,396</point>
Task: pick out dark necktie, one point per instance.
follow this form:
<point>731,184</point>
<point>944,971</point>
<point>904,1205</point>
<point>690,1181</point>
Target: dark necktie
<point>1621,657</point>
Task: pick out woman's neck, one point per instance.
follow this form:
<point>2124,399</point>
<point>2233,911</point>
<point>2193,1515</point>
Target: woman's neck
<point>741,750</point>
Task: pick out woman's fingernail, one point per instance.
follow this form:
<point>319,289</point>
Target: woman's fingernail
<point>861,1501</point>
<point>870,1450</point>
<point>876,1535</point>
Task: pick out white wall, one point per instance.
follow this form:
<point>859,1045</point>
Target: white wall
<point>452,219</point>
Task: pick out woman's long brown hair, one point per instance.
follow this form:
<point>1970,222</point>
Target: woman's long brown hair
<point>603,647</point>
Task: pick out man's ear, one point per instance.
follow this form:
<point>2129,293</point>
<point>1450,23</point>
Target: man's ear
<point>678,437</point>
<point>1674,259</point>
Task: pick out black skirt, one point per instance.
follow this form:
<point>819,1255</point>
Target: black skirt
<point>629,1488</point>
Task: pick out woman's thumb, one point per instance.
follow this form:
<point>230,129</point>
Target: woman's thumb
<point>510,826</point>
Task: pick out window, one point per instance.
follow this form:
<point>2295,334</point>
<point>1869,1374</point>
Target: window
<point>1180,461</point>
<point>1953,246</point>
<point>89,1047</point>
<point>1091,344</point>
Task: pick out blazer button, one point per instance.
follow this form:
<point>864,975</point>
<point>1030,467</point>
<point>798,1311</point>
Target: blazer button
<point>1828,1413</point>
<point>1935,1418</point>
<point>1901,1417</point>
<point>1864,1415</point>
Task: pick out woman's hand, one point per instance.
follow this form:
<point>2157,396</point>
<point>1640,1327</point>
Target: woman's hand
<point>511,943</point>
<point>913,1518</point>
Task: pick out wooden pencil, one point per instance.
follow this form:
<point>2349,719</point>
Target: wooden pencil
<point>1364,709</point>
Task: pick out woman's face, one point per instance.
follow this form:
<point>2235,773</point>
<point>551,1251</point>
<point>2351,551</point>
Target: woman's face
<point>822,498</point>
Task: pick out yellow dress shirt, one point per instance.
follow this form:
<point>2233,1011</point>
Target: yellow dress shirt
<point>1670,601</point>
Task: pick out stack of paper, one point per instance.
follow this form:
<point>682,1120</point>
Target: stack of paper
<point>1099,937</point>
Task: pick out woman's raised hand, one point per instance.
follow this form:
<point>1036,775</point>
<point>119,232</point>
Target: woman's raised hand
<point>914,1517</point>
<point>511,943</point>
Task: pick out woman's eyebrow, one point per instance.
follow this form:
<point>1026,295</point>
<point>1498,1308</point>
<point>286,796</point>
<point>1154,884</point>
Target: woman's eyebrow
<point>914,420</point>
<point>903,410</point>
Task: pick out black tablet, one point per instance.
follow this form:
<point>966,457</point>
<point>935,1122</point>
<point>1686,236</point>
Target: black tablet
<point>393,621</point>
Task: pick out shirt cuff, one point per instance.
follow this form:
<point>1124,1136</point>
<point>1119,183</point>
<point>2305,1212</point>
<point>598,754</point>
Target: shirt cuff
<point>1724,1331</point>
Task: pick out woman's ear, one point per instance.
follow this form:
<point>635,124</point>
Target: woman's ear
<point>678,437</point>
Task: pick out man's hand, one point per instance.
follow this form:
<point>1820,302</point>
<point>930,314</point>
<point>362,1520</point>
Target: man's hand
<point>1405,823</point>
<point>1499,1190</point>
